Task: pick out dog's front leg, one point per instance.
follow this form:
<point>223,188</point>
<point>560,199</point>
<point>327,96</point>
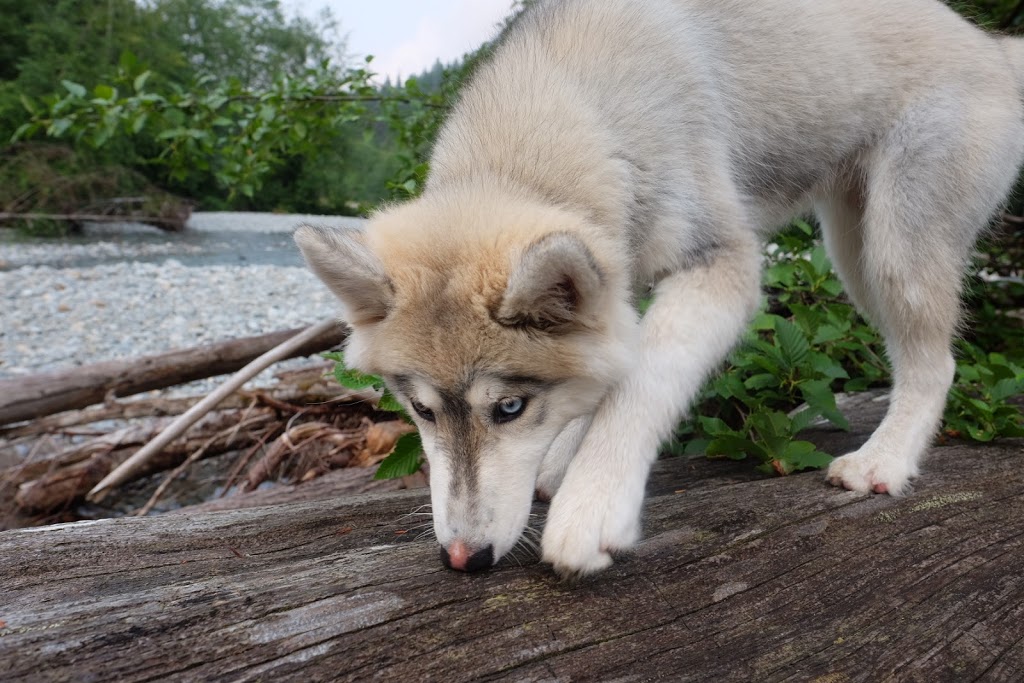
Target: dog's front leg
<point>695,319</point>
<point>561,453</point>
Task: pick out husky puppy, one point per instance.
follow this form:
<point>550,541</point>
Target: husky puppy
<point>611,146</point>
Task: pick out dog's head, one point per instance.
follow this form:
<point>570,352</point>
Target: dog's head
<point>495,325</point>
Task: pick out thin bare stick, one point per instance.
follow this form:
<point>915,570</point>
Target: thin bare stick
<point>194,456</point>
<point>126,469</point>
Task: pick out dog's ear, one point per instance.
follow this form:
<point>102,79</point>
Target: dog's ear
<point>555,282</point>
<point>350,269</point>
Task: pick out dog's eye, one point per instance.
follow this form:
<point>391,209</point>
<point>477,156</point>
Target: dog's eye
<point>421,410</point>
<point>508,409</point>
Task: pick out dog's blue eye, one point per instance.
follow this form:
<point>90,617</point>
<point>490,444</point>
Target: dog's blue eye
<point>421,410</point>
<point>509,409</point>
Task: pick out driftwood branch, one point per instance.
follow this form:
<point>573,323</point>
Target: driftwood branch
<point>113,410</point>
<point>25,398</point>
<point>286,349</point>
<point>60,480</point>
<point>175,224</point>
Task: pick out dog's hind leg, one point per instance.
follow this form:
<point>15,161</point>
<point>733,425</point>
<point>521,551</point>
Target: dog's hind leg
<point>696,317</point>
<point>840,211</point>
<point>931,186</point>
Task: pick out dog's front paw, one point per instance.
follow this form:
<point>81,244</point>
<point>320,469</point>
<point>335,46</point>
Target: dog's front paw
<point>583,531</point>
<point>873,468</point>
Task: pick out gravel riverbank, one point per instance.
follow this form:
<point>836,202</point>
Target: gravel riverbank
<point>124,293</point>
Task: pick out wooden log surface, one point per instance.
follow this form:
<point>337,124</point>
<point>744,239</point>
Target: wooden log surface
<point>738,578</point>
<point>24,398</point>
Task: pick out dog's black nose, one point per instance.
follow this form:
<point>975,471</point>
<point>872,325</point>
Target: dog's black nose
<point>481,559</point>
<point>458,558</point>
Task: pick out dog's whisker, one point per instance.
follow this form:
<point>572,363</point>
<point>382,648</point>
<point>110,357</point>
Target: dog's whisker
<point>514,556</point>
<point>415,514</point>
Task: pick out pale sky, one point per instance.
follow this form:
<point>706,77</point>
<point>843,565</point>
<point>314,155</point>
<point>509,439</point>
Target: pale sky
<point>406,36</point>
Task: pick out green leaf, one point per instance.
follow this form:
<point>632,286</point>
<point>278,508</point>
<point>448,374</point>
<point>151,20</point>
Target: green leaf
<point>139,123</point>
<point>832,287</point>
<point>730,385</point>
<point>857,384</point>
<point>824,365</point>
<point>764,321</point>
<point>405,459</point>
<point>819,259</point>
<point>103,92</point>
<point>714,426</point>
<point>30,107</point>
<point>804,227</point>
<point>75,89</point>
<point>140,81</point>
<point>761,381</point>
<point>1005,388</point>
<point>802,455</point>
<point>792,342</point>
<point>780,275</point>
<point>355,380</point>
<point>827,333</point>
<point>127,60</point>
<point>389,403</point>
<point>172,133</point>
<point>819,396</point>
<point>58,127</point>
<point>734,447</point>
<point>23,131</point>
<point>803,419</point>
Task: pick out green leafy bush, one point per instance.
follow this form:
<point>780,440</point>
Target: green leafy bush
<point>979,404</point>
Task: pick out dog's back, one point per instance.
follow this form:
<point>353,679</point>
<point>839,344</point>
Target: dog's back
<point>788,90</point>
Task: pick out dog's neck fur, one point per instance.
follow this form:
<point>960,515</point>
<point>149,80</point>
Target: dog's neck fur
<point>543,144</point>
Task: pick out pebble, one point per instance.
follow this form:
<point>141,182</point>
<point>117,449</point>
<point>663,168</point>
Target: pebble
<point>54,318</point>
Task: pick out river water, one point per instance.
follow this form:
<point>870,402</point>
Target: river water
<point>211,238</point>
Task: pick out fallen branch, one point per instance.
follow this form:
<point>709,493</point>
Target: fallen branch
<point>115,410</point>
<point>285,350</point>
<point>193,457</point>
<point>60,481</point>
<point>175,224</point>
<point>26,398</point>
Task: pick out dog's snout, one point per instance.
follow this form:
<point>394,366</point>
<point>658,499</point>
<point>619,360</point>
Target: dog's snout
<point>459,556</point>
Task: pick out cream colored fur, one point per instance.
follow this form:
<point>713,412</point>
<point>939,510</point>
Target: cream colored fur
<point>614,145</point>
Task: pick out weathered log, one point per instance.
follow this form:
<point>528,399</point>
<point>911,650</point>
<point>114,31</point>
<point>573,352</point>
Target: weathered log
<point>66,478</point>
<point>174,223</point>
<point>738,579</point>
<point>113,410</point>
<point>34,396</point>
